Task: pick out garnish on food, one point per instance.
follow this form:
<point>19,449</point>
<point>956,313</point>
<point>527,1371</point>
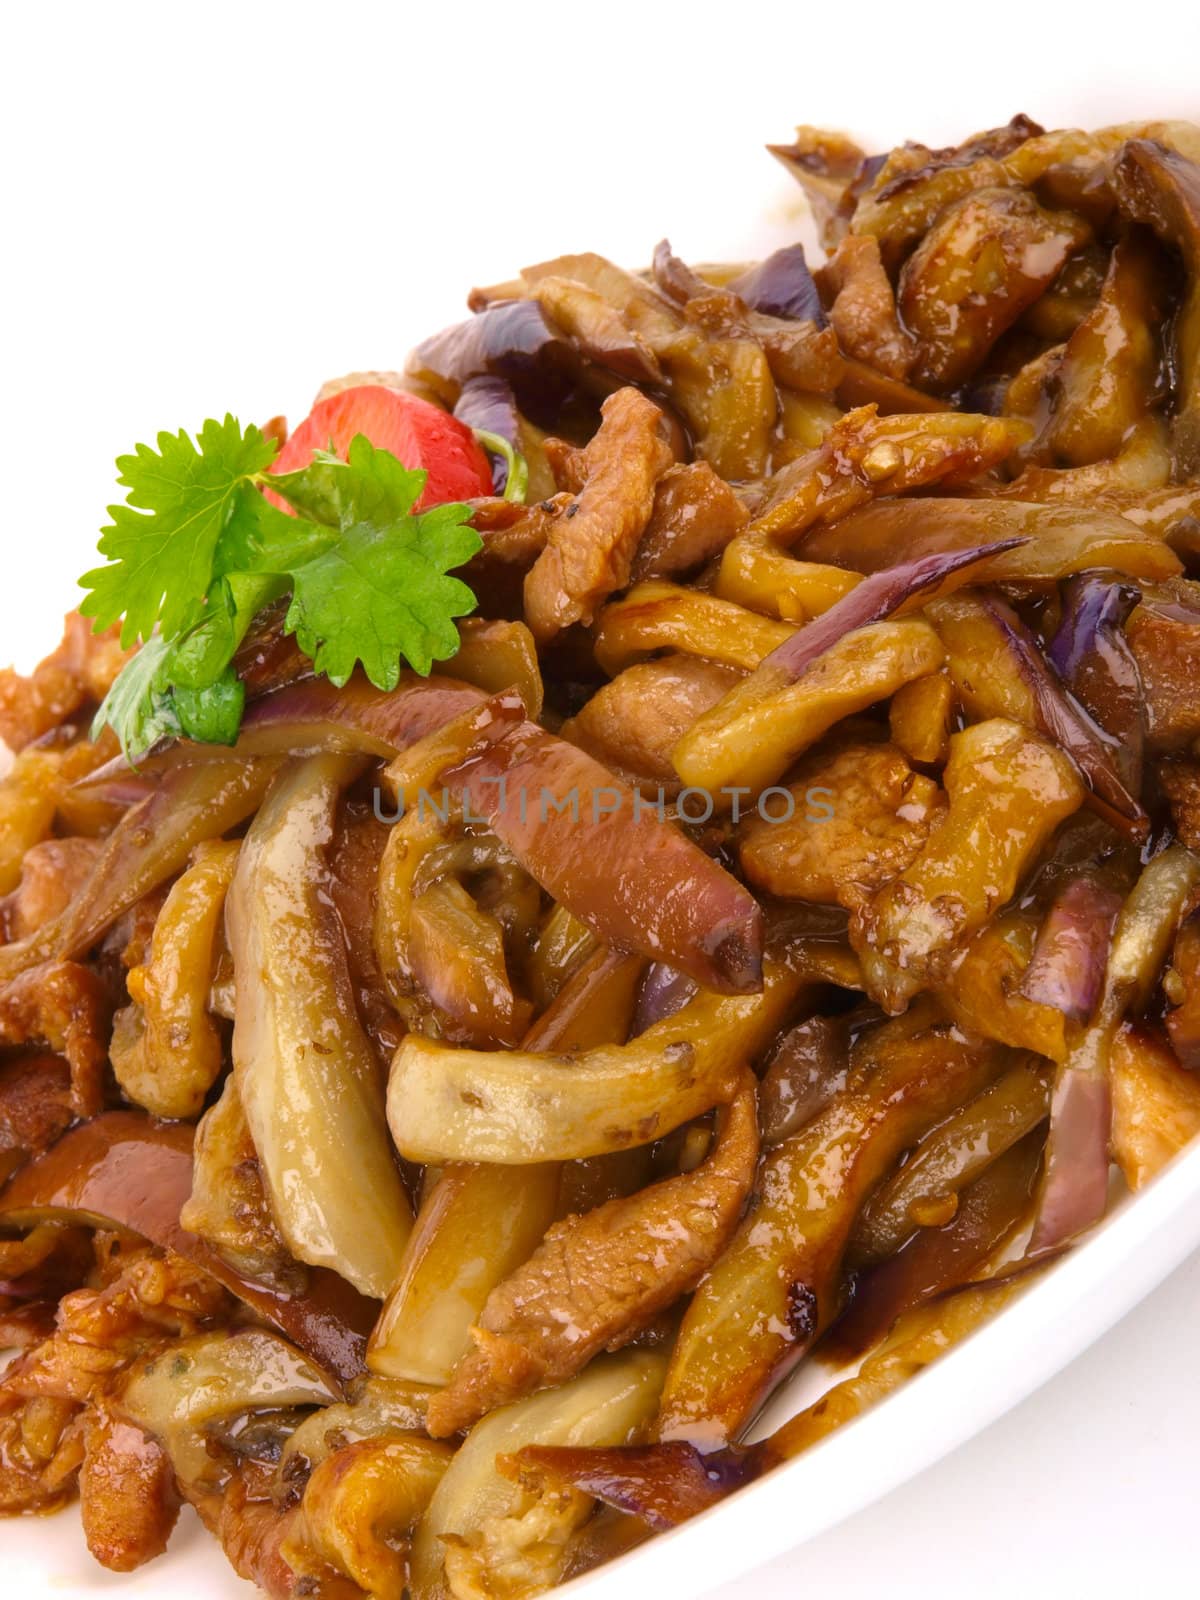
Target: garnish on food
<point>198,549</point>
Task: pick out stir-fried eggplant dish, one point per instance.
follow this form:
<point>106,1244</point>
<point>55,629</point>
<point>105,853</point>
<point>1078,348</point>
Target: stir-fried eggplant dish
<point>659,840</point>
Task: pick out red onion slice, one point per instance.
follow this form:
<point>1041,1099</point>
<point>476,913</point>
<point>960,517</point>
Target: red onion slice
<point>1075,1183</point>
<point>1093,658</point>
<point>1067,723</point>
<point>1066,970</point>
<point>879,596</point>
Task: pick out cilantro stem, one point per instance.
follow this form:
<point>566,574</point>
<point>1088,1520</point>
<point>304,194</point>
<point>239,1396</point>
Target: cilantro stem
<point>517,483</point>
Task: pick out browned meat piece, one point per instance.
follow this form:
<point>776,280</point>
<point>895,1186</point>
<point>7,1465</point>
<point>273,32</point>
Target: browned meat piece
<point>1181,984</point>
<point>568,463</point>
<point>36,1253</point>
<point>634,722</point>
<point>40,1450</point>
<point>1180,778</point>
<point>1161,187</point>
<point>599,1279</point>
<point>1167,651</point>
<point>860,816</point>
<point>67,1007</point>
<point>35,1107</point>
<point>148,1296</point>
<point>695,516</point>
<point>252,1529</point>
<point>513,533</point>
<point>80,672</point>
<point>591,546</point>
<point>24,1325</point>
<point>143,1296</point>
<point>985,261</point>
<point>865,456</point>
<point>127,1496</point>
<point>1156,1104</point>
<point>863,312</point>
<point>52,873</point>
<point>514,536</point>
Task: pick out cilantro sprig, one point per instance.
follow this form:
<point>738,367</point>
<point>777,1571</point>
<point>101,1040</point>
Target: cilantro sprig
<point>197,551</point>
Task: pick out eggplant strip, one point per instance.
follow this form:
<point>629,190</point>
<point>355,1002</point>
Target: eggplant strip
<point>983,988</point>
<point>613,860</point>
<point>516,1107</point>
<point>597,1280</point>
<point>150,844</point>
<point>778,1284</point>
<point>1155,1104</point>
<point>482,1222</point>
<point>754,574</point>
<point>1008,790</point>
<point>475,1504</point>
<point>305,1070</point>
<point>1060,540</point>
<point>1074,1188</point>
<point>993,1209</point>
<point>166,1049</point>
<point>656,616</point>
<point>846,660</point>
<point>998,671</point>
<point>925,1190</point>
<point>358,1510</point>
<point>750,737</point>
<point>1161,187</point>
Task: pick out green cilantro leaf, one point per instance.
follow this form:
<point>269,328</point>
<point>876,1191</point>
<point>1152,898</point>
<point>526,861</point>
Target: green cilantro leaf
<point>260,538</point>
<point>162,542</point>
<point>139,707</point>
<point>212,715</point>
<point>380,594</point>
<point>379,590</point>
<point>202,656</point>
<point>370,485</point>
<point>147,702</point>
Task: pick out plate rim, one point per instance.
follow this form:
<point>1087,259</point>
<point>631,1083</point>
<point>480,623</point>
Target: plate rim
<point>956,1398</point>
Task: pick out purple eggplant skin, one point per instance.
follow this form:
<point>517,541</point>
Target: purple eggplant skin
<point>490,404</point>
<point>876,597</point>
<point>782,286</point>
<point>513,339</point>
<point>1066,970</point>
<point>1075,1181</point>
<point>1064,721</point>
<point>664,991</point>
<point>1095,661</point>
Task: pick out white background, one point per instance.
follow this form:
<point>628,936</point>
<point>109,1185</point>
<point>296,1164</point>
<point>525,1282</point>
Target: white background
<point>211,207</point>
